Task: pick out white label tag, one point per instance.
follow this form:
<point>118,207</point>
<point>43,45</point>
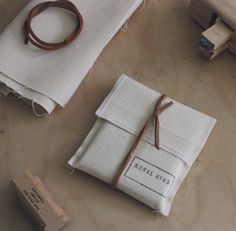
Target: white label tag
<point>150,176</point>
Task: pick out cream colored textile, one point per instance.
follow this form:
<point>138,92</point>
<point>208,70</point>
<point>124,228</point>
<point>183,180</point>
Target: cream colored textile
<point>152,176</point>
<point>51,78</point>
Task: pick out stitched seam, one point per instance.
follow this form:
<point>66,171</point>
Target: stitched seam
<point>147,139</point>
<point>106,101</point>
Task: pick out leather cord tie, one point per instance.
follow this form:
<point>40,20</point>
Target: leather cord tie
<point>155,116</point>
<point>36,41</point>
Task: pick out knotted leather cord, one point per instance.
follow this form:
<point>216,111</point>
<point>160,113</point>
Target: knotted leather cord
<point>36,41</point>
<point>155,116</point>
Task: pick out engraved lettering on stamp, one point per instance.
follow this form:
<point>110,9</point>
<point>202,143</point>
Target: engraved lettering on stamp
<point>34,197</point>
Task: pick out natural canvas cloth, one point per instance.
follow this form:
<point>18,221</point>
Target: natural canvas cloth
<point>51,78</point>
<point>151,176</point>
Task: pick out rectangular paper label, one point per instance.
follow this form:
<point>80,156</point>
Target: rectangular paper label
<point>150,176</point>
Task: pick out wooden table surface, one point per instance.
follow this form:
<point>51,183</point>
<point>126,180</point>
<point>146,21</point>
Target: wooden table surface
<point>159,50</point>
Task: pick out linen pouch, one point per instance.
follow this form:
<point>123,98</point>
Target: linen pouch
<point>47,79</point>
<point>152,176</point>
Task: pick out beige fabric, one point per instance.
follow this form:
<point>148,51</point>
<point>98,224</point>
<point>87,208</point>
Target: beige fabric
<point>51,78</point>
<point>152,176</point>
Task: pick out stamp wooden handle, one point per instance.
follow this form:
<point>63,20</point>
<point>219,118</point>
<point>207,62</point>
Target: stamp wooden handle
<point>34,198</point>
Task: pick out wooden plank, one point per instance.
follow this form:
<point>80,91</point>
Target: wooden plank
<point>159,51</point>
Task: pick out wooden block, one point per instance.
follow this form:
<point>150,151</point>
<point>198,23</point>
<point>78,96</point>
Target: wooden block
<point>216,36</point>
<point>214,39</point>
<point>37,202</point>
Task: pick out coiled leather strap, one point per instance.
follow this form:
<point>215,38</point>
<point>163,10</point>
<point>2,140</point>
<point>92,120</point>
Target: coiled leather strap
<point>36,41</point>
<point>155,116</point>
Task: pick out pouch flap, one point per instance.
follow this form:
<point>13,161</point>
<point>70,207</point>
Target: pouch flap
<point>183,131</point>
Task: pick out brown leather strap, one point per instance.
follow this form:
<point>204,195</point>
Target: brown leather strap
<point>155,116</point>
<point>36,41</point>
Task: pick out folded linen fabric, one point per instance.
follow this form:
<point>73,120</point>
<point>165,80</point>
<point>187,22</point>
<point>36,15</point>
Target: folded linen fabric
<point>152,176</point>
<point>51,78</point>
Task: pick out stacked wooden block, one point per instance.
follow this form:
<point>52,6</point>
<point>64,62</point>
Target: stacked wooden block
<point>219,19</point>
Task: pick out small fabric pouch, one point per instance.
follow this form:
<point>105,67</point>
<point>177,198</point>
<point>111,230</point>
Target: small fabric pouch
<point>152,176</point>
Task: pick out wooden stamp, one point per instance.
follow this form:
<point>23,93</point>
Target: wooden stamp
<point>218,17</point>
<point>37,202</point>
